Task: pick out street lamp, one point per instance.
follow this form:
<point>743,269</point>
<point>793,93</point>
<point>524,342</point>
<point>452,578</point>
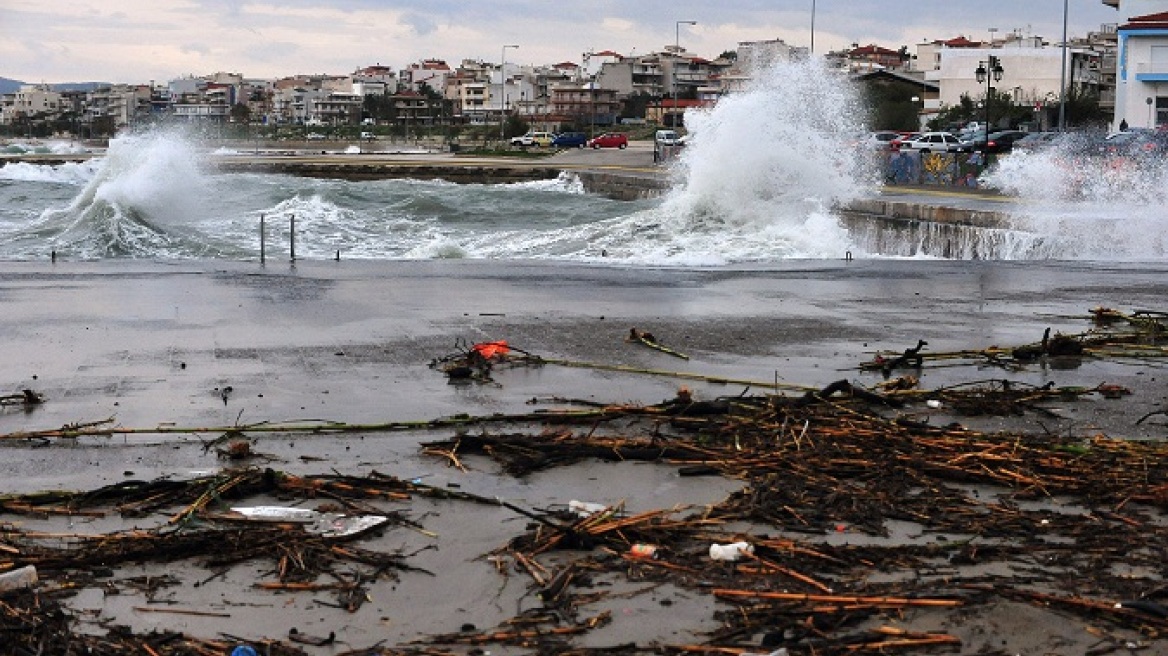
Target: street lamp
<point>503,86</point>
<point>813,27</point>
<point>676,56</point>
<point>1063,79</point>
<point>988,71</point>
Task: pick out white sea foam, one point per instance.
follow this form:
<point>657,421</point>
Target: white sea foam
<point>564,183</point>
<point>69,173</point>
<point>1086,205</point>
<point>140,199</point>
<point>758,181</point>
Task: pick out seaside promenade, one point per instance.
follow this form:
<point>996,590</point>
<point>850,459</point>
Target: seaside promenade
<point>173,358</point>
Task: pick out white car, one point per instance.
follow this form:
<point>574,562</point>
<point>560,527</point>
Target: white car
<point>936,142</point>
<point>536,139</point>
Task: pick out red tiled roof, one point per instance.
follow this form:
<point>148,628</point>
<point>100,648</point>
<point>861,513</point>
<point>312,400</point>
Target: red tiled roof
<point>1148,21</point>
<point>961,42</point>
<point>569,65</point>
<point>606,53</point>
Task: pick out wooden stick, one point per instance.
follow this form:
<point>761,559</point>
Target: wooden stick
<point>180,611</point>
<point>873,601</point>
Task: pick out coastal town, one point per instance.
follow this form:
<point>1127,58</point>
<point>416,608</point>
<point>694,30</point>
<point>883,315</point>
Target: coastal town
<point>1114,76</point>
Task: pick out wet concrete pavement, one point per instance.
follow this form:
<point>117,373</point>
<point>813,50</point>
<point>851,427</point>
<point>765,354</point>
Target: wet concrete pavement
<point>156,345</point>
<point>199,344</point>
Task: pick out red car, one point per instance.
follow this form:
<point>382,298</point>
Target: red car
<point>610,140</point>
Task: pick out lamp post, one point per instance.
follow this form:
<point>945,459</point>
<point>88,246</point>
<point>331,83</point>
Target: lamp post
<point>813,27</point>
<point>676,56</point>
<point>1063,79</point>
<point>988,71</point>
<point>503,93</point>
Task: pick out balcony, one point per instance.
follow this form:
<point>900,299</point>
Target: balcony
<point>1152,71</point>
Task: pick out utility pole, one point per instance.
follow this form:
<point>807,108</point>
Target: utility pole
<point>676,58</point>
<point>503,93</point>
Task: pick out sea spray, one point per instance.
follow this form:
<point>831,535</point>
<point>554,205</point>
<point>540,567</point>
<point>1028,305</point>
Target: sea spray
<point>764,169</point>
<point>759,180</point>
<point>142,198</point>
<point>1085,202</point>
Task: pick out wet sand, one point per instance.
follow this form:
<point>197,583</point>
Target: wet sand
<point>156,344</point>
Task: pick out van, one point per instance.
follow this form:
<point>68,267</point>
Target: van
<point>666,138</point>
<point>367,136</point>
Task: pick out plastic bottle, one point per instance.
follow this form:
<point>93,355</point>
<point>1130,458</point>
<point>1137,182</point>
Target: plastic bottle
<point>24,577</point>
<point>586,508</point>
<point>730,552</point>
<point>644,551</point>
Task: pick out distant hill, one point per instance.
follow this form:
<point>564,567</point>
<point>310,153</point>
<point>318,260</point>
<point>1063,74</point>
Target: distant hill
<point>8,85</point>
<point>80,86</point>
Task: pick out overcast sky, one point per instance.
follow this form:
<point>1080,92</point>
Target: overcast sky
<point>142,40</point>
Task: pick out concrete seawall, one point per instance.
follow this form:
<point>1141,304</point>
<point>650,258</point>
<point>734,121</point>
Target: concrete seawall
<point>933,213</point>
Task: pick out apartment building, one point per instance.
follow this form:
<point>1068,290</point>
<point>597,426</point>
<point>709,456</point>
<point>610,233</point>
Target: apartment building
<point>31,100</point>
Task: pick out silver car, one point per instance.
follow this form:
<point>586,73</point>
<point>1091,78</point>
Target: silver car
<point>936,142</point>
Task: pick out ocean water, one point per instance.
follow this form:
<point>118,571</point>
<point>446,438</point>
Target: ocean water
<point>759,183</point>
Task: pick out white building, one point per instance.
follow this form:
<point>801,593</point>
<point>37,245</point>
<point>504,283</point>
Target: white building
<point>29,101</point>
<point>1141,96</point>
<point>753,58</point>
<point>1031,76</point>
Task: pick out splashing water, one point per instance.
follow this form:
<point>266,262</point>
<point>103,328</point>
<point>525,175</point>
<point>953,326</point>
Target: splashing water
<point>760,176</point>
<point>777,159</point>
<point>757,183</point>
<point>1087,204</point>
<point>141,198</point>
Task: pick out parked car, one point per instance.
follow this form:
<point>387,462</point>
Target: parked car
<point>609,140</point>
<point>1135,144</point>
<point>536,139</point>
<point>882,139</point>
<point>1001,141</point>
<point>899,140</point>
<point>665,138</point>
<point>936,142</point>
<point>1035,141</point>
<point>570,140</point>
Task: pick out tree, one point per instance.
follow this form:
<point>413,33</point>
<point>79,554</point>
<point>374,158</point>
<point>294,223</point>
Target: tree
<point>1003,113</point>
<point>240,113</point>
<point>515,126</point>
<point>635,105</point>
<point>1082,109</point>
<point>891,106</point>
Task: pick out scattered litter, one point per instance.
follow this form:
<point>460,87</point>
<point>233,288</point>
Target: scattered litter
<point>731,552</point>
<point>21,577</point>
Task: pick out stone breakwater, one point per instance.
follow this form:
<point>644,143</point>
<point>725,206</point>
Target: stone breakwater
<point>361,169</point>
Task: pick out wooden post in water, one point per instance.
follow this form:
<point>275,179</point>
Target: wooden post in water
<point>292,237</point>
<point>262,257</point>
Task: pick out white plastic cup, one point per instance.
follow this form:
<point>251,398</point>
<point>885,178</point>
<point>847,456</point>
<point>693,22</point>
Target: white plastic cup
<point>586,508</point>
<point>730,552</point>
<point>24,577</point>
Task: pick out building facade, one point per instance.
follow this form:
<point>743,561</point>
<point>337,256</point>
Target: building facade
<point>1141,98</point>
